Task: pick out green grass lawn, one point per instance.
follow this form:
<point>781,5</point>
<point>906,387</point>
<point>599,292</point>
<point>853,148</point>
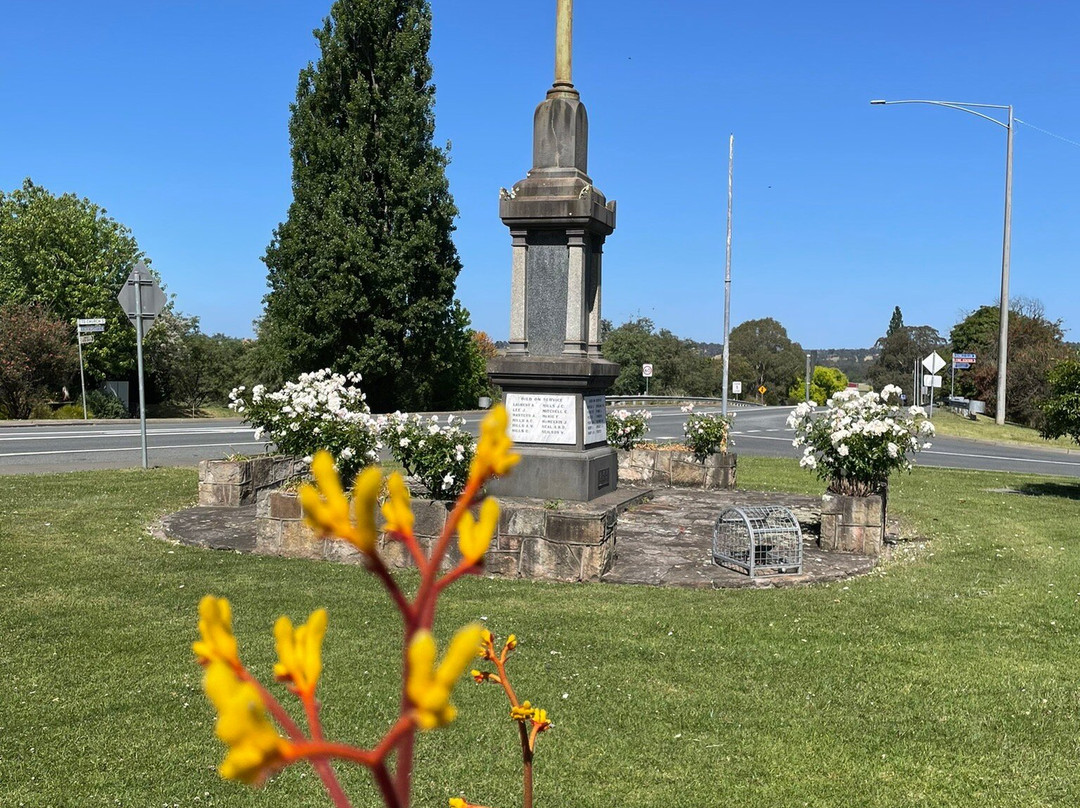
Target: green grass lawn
<point>947,678</point>
<point>986,428</point>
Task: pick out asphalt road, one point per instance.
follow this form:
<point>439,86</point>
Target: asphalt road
<point>758,431</point>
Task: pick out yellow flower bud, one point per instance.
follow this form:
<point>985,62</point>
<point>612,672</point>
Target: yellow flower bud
<point>474,535</point>
<point>300,651</point>
<point>522,713</point>
<point>428,687</point>
<point>396,510</point>
<point>254,746</point>
<point>493,456</point>
<point>215,627</point>
<point>326,510</point>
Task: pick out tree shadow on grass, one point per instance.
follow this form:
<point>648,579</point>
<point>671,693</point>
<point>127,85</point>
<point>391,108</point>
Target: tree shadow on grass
<point>1063,490</point>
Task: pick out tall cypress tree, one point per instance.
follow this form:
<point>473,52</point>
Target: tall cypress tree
<point>362,272</point>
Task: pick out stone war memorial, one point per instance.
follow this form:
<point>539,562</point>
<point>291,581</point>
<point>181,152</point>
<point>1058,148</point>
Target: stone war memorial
<point>552,375</point>
<point>562,510</point>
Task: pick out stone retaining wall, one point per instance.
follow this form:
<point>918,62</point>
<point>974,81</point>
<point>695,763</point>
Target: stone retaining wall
<point>570,542</point>
<point>233,483</point>
<point>676,469</point>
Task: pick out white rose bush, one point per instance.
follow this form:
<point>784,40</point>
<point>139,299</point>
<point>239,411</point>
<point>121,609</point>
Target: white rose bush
<point>859,439</point>
<point>320,410</point>
<point>435,453</point>
<point>626,428</point>
<point>706,433</point>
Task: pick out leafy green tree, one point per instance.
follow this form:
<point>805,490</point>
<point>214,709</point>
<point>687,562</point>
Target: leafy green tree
<point>37,357</point>
<point>899,351</point>
<point>362,271</point>
<point>1061,407</point>
<point>679,366</point>
<point>630,345</point>
<point>65,254</point>
<point>1036,345</point>
<point>824,381</point>
<point>896,322</point>
<point>764,356</point>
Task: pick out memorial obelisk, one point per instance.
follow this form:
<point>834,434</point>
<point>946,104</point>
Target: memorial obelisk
<point>553,376</point>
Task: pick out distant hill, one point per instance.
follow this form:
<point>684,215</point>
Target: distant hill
<point>852,362</point>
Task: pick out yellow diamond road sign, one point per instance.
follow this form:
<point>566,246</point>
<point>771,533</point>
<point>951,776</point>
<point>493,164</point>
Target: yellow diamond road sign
<point>762,389</point>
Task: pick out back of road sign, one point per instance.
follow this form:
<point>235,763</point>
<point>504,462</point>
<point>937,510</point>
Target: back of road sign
<point>153,299</point>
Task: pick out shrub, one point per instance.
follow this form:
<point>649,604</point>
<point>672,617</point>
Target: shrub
<point>321,410</point>
<point>860,439</point>
<point>706,433</point>
<point>438,455</point>
<point>626,429</point>
<point>102,404</point>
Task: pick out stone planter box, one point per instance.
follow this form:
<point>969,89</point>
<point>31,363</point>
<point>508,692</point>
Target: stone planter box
<point>678,469</point>
<point>575,542</point>
<point>234,483</point>
<point>852,524</point>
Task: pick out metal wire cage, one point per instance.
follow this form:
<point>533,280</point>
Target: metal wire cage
<point>759,540</point>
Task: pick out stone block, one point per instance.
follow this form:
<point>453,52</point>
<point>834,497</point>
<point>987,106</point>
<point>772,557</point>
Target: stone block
<point>662,468</point>
<point>720,471</point>
<point>686,473</point>
<point>268,537</point>
<point>521,520</point>
<point>567,529</point>
<point>595,561</point>
<point>852,524</point>
<point>221,494</point>
<point>546,560</point>
<point>283,505</point>
<point>298,541</point>
<point>342,552</point>
<point>501,563</point>
<point>430,516</point>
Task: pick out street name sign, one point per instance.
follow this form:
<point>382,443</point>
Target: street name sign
<point>91,329</point>
<point>90,321</point>
<point>933,362</point>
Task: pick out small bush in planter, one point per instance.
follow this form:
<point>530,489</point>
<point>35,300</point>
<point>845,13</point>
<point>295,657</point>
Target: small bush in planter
<point>706,433</point>
<point>626,429</point>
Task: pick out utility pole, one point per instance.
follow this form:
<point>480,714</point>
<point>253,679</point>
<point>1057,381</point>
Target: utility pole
<point>727,277</point>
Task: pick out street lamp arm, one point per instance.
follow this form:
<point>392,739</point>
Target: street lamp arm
<point>963,107</point>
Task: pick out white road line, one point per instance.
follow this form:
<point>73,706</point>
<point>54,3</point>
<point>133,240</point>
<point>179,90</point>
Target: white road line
<point>127,433</point>
<point>1007,459</point>
<point>133,449</point>
<point>957,454</point>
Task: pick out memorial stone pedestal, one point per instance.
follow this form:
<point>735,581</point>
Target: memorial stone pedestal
<point>552,375</point>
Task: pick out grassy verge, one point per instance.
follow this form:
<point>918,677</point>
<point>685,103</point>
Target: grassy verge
<point>947,679</point>
<point>986,428</point>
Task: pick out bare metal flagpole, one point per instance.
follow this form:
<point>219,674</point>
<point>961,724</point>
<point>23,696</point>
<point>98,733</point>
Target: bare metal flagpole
<point>727,275</point>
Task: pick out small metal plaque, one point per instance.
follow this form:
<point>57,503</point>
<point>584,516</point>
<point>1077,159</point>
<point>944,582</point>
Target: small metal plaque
<point>603,478</point>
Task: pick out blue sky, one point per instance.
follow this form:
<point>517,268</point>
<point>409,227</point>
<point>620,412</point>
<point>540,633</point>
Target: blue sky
<point>173,116</point>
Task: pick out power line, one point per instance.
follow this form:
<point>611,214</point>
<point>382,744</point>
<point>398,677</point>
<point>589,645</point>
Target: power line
<point>1051,134</point>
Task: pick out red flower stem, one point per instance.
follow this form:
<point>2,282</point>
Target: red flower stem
<point>386,786</point>
<point>428,592</point>
<point>526,767</point>
<point>275,709</point>
<point>409,540</point>
<point>322,766</point>
<point>464,568</point>
<point>504,680</point>
<point>376,565</point>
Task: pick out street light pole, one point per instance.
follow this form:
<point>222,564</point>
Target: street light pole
<point>1006,244</point>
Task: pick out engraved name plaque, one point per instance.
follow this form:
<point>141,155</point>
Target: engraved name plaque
<point>537,418</point>
<point>594,416</point>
